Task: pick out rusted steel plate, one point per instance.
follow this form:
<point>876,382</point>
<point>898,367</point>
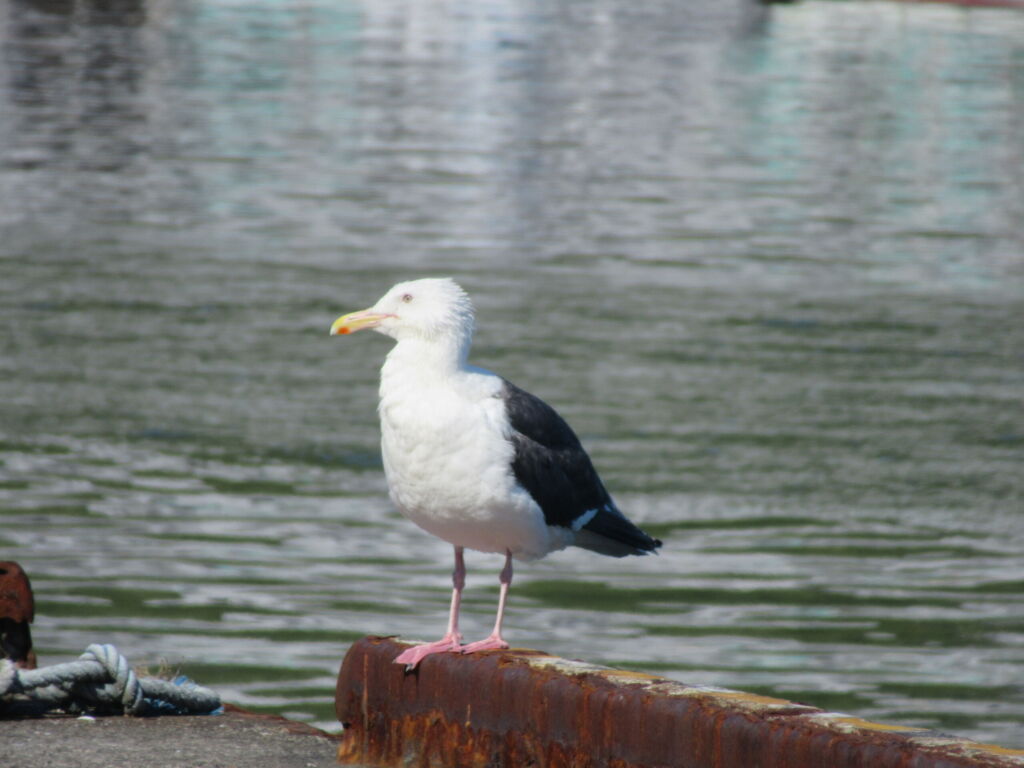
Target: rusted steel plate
<point>17,610</point>
<point>519,708</point>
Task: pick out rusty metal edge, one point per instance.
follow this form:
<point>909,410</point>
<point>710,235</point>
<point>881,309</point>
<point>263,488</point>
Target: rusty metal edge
<point>521,708</point>
<point>17,611</point>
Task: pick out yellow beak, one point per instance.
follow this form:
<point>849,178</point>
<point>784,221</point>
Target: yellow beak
<point>357,321</point>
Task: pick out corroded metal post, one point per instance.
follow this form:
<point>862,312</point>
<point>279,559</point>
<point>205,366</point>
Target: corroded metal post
<point>520,708</point>
<point>17,610</point>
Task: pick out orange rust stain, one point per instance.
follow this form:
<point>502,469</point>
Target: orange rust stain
<point>755,701</point>
<point>497,710</point>
<point>994,749</point>
<point>16,601</point>
<point>617,675</point>
<point>17,610</point>
<point>857,722</point>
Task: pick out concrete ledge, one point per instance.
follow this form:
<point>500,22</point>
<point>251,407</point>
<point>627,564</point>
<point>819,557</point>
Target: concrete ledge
<point>236,739</point>
<point>518,708</point>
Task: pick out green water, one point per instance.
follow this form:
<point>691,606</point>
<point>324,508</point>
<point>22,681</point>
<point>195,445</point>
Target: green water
<point>769,264</point>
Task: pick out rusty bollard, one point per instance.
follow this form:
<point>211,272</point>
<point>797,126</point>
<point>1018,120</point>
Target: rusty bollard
<point>519,708</point>
<point>17,610</point>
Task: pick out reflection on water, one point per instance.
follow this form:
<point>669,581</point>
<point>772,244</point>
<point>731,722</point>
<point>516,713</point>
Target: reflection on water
<point>768,262</point>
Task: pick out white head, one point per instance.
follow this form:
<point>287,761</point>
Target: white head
<point>433,309</point>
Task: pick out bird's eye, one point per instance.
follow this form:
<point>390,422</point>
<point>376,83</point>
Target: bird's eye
<point>406,297</point>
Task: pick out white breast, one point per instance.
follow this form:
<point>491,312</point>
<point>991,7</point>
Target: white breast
<point>448,460</point>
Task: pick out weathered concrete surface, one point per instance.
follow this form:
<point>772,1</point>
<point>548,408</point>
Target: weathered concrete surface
<point>518,708</point>
<point>236,739</point>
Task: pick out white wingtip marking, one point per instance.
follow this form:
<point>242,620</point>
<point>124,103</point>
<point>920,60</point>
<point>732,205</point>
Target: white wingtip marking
<point>583,519</point>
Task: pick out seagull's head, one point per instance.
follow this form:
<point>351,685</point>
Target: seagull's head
<point>432,309</point>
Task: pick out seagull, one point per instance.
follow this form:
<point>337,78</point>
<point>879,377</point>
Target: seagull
<point>473,459</point>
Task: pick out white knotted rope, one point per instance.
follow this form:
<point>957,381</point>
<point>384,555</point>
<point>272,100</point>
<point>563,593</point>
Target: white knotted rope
<point>99,682</point>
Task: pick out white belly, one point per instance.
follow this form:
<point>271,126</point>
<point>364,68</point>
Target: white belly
<point>448,466</point>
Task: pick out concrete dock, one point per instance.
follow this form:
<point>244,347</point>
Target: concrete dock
<point>235,739</point>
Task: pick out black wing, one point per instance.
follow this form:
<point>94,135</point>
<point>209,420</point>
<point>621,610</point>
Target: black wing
<point>552,466</point>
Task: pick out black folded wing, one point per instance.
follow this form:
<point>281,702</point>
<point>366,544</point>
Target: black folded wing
<point>554,469</point>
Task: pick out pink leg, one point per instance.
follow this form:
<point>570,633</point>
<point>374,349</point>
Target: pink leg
<point>452,639</point>
<point>495,641</point>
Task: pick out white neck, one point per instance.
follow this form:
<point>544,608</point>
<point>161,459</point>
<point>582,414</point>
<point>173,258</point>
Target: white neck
<point>418,360</point>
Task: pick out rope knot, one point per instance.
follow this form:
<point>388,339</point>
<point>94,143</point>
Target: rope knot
<point>99,681</point>
<point>120,687</point>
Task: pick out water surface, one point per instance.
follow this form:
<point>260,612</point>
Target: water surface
<point>768,263</point>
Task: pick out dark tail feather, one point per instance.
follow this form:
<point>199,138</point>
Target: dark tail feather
<point>610,533</point>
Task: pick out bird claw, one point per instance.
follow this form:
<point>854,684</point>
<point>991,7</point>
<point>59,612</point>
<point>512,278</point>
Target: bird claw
<point>492,643</point>
<point>411,657</point>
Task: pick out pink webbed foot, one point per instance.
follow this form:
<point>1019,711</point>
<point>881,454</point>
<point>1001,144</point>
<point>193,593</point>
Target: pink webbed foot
<point>413,656</point>
<point>492,643</point>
